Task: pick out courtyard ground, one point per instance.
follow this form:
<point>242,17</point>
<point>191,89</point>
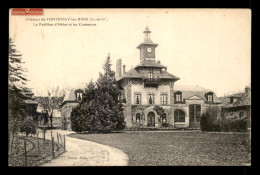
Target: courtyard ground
<point>86,153</point>
<point>177,148</point>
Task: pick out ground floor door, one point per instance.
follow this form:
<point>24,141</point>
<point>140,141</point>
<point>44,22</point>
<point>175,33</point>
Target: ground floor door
<point>194,115</point>
<point>64,125</point>
<point>151,119</point>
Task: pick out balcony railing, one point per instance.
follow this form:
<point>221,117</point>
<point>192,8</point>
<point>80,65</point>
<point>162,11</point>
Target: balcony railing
<point>152,81</point>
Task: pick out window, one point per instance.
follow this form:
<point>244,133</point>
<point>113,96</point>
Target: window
<point>163,99</point>
<point>178,96</point>
<point>209,97</point>
<point>138,118</point>
<point>79,96</point>
<point>137,98</point>
<point>197,107</point>
<point>194,112</point>
<point>179,116</point>
<point>150,73</point>
<point>150,99</point>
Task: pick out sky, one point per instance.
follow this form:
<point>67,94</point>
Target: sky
<point>210,48</point>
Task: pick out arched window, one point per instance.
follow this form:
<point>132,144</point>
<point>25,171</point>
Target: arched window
<point>151,119</point>
<point>179,115</point>
<point>163,118</point>
<point>138,118</point>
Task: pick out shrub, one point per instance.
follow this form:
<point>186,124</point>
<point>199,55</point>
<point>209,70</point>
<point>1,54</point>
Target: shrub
<point>239,125</point>
<point>234,125</point>
<point>216,126</point>
<point>203,122</point>
<point>225,125</point>
<point>165,124</point>
<point>28,127</point>
<point>210,122</point>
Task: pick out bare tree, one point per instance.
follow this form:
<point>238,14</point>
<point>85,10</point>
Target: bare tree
<point>52,101</point>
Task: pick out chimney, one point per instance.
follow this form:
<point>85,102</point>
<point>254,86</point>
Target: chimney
<point>123,69</point>
<point>118,69</point>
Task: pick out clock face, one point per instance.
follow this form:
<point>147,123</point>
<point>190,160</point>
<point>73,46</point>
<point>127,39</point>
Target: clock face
<point>149,49</point>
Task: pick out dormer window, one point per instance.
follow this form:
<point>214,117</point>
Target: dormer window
<point>79,94</point>
<point>209,97</point>
<point>178,96</point>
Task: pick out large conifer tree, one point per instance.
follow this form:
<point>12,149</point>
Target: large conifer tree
<point>100,110</point>
<point>16,84</point>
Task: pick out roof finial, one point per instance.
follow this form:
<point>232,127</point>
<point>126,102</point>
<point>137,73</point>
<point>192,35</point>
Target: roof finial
<point>146,30</point>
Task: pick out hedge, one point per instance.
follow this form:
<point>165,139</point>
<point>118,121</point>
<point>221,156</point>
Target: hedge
<point>226,125</point>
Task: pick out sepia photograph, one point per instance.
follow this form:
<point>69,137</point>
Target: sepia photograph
<point>129,87</point>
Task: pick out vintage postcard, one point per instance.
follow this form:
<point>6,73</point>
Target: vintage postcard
<point>129,87</point>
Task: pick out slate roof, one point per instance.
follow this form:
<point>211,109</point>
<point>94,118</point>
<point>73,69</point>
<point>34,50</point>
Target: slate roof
<point>147,42</point>
<point>70,96</point>
<point>189,91</point>
<point>150,64</point>
<point>167,75</point>
<point>133,73</point>
<point>237,95</point>
<point>243,99</point>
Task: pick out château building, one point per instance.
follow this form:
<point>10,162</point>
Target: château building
<point>150,97</point>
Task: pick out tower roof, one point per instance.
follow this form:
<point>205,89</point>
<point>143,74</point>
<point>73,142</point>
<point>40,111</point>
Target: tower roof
<point>134,73</point>
<point>147,40</point>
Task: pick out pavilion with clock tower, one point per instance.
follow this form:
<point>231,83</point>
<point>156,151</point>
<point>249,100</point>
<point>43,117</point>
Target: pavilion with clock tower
<point>150,95</point>
<point>147,48</point>
<point>147,89</point>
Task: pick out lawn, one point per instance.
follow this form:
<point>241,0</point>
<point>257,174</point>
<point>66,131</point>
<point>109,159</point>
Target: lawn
<point>179,148</point>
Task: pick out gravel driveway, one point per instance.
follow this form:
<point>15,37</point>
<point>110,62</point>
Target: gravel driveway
<point>85,153</point>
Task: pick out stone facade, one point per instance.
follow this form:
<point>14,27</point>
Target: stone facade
<point>71,100</point>
<point>150,98</point>
<point>238,105</point>
<point>66,115</point>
